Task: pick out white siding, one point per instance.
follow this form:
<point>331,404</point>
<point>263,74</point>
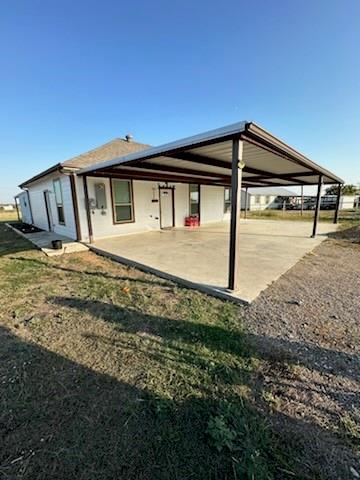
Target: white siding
<point>211,204</point>
<point>146,212</point>
<point>36,194</point>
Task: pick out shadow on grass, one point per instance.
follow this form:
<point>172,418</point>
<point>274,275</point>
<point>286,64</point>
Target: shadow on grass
<point>11,243</point>
<point>62,420</point>
<point>217,338</point>
<point>98,274</point>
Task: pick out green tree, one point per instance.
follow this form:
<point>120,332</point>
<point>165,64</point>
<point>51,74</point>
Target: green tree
<point>345,190</point>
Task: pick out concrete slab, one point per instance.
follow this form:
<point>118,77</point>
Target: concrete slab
<point>42,240</point>
<point>199,257</point>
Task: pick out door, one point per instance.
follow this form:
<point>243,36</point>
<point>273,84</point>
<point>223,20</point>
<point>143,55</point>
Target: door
<point>166,207</point>
<point>48,209</point>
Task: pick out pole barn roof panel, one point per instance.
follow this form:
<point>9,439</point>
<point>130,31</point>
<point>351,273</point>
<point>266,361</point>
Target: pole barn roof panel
<point>206,158</point>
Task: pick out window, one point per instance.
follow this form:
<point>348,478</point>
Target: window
<point>122,197</point>
<point>194,190</point>
<point>227,200</point>
<point>59,201</point>
<point>257,199</point>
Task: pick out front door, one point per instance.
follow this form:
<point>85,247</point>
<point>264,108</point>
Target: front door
<point>48,209</point>
<point>166,207</point>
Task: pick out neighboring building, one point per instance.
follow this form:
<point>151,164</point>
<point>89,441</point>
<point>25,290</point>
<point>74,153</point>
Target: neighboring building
<point>7,207</point>
<point>269,197</point>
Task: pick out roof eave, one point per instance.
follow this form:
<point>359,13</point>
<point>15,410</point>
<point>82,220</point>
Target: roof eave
<point>58,167</point>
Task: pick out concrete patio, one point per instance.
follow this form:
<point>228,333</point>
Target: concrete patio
<point>199,257</point>
<point>42,240</point>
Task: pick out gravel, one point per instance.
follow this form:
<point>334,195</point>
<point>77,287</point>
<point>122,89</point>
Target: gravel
<point>307,328</point>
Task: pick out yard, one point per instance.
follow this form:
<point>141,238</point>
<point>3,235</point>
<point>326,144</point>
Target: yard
<point>107,372</point>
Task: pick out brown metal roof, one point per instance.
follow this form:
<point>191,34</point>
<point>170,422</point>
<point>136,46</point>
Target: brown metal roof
<point>207,158</point>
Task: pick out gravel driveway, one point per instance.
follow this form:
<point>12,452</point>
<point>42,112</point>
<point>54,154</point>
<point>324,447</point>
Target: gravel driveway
<point>307,327</point>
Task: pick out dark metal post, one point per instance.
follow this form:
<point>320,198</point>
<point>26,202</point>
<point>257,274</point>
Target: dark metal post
<point>236,174</point>
<point>88,212</point>
<point>246,202</point>
<point>317,207</point>
<point>302,199</point>
<point>336,214</point>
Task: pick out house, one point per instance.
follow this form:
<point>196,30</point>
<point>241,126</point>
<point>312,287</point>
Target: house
<point>125,187</point>
<point>269,197</point>
<point>7,207</point>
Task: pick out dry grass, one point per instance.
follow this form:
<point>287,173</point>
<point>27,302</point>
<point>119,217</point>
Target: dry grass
<point>346,217</point>
<point>8,216</point>
<point>106,372</point>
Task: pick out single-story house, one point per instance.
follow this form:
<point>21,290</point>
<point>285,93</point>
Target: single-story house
<point>126,187</point>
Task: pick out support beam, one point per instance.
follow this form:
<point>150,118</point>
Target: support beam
<point>75,206</point>
<point>246,202</point>
<point>236,173</point>
<point>336,214</point>
<point>88,212</point>
<point>302,199</point>
<point>317,207</point>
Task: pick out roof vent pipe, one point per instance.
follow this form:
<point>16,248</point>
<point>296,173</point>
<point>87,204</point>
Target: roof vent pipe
<point>128,137</point>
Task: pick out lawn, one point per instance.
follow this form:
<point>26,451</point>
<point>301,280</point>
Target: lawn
<point>346,217</point>
<point>108,373</point>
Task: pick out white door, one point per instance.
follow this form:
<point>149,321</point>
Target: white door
<point>166,208</point>
<point>48,210</point>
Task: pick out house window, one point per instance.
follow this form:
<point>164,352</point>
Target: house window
<point>122,197</point>
<point>59,201</point>
<point>227,200</point>
<point>194,190</point>
<point>257,199</point>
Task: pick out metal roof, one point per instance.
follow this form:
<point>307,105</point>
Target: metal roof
<point>206,158</point>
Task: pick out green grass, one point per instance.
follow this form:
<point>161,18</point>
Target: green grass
<point>346,217</point>
<point>107,373</point>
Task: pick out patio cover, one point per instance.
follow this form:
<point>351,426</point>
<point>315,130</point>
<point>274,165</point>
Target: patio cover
<point>239,155</point>
<point>207,159</point>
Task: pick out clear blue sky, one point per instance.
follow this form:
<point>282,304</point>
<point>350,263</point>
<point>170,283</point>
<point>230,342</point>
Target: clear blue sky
<point>75,74</point>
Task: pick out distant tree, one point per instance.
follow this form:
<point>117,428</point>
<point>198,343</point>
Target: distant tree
<point>345,190</point>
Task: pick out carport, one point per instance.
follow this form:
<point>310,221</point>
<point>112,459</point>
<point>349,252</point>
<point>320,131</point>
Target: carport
<point>241,155</point>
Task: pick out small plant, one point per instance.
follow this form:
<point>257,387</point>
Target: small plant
<point>221,434</point>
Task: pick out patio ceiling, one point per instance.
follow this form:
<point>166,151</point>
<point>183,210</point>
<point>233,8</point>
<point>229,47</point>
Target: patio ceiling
<point>207,159</point>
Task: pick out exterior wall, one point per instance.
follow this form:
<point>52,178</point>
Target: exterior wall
<point>24,208</point>
<point>36,194</point>
<point>212,204</point>
<point>347,201</point>
<point>146,212</point>
<point>265,202</point>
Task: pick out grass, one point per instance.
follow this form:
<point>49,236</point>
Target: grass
<point>107,373</point>
<point>346,217</point>
<point>8,216</point>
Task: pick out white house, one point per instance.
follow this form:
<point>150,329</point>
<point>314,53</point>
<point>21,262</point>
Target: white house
<point>124,187</point>
<point>117,206</point>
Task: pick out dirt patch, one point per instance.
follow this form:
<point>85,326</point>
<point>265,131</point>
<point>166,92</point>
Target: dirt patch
<point>307,326</point>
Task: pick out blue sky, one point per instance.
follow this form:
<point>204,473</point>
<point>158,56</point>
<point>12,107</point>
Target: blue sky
<point>75,74</point>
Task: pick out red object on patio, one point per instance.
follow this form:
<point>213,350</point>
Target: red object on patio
<point>192,221</point>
